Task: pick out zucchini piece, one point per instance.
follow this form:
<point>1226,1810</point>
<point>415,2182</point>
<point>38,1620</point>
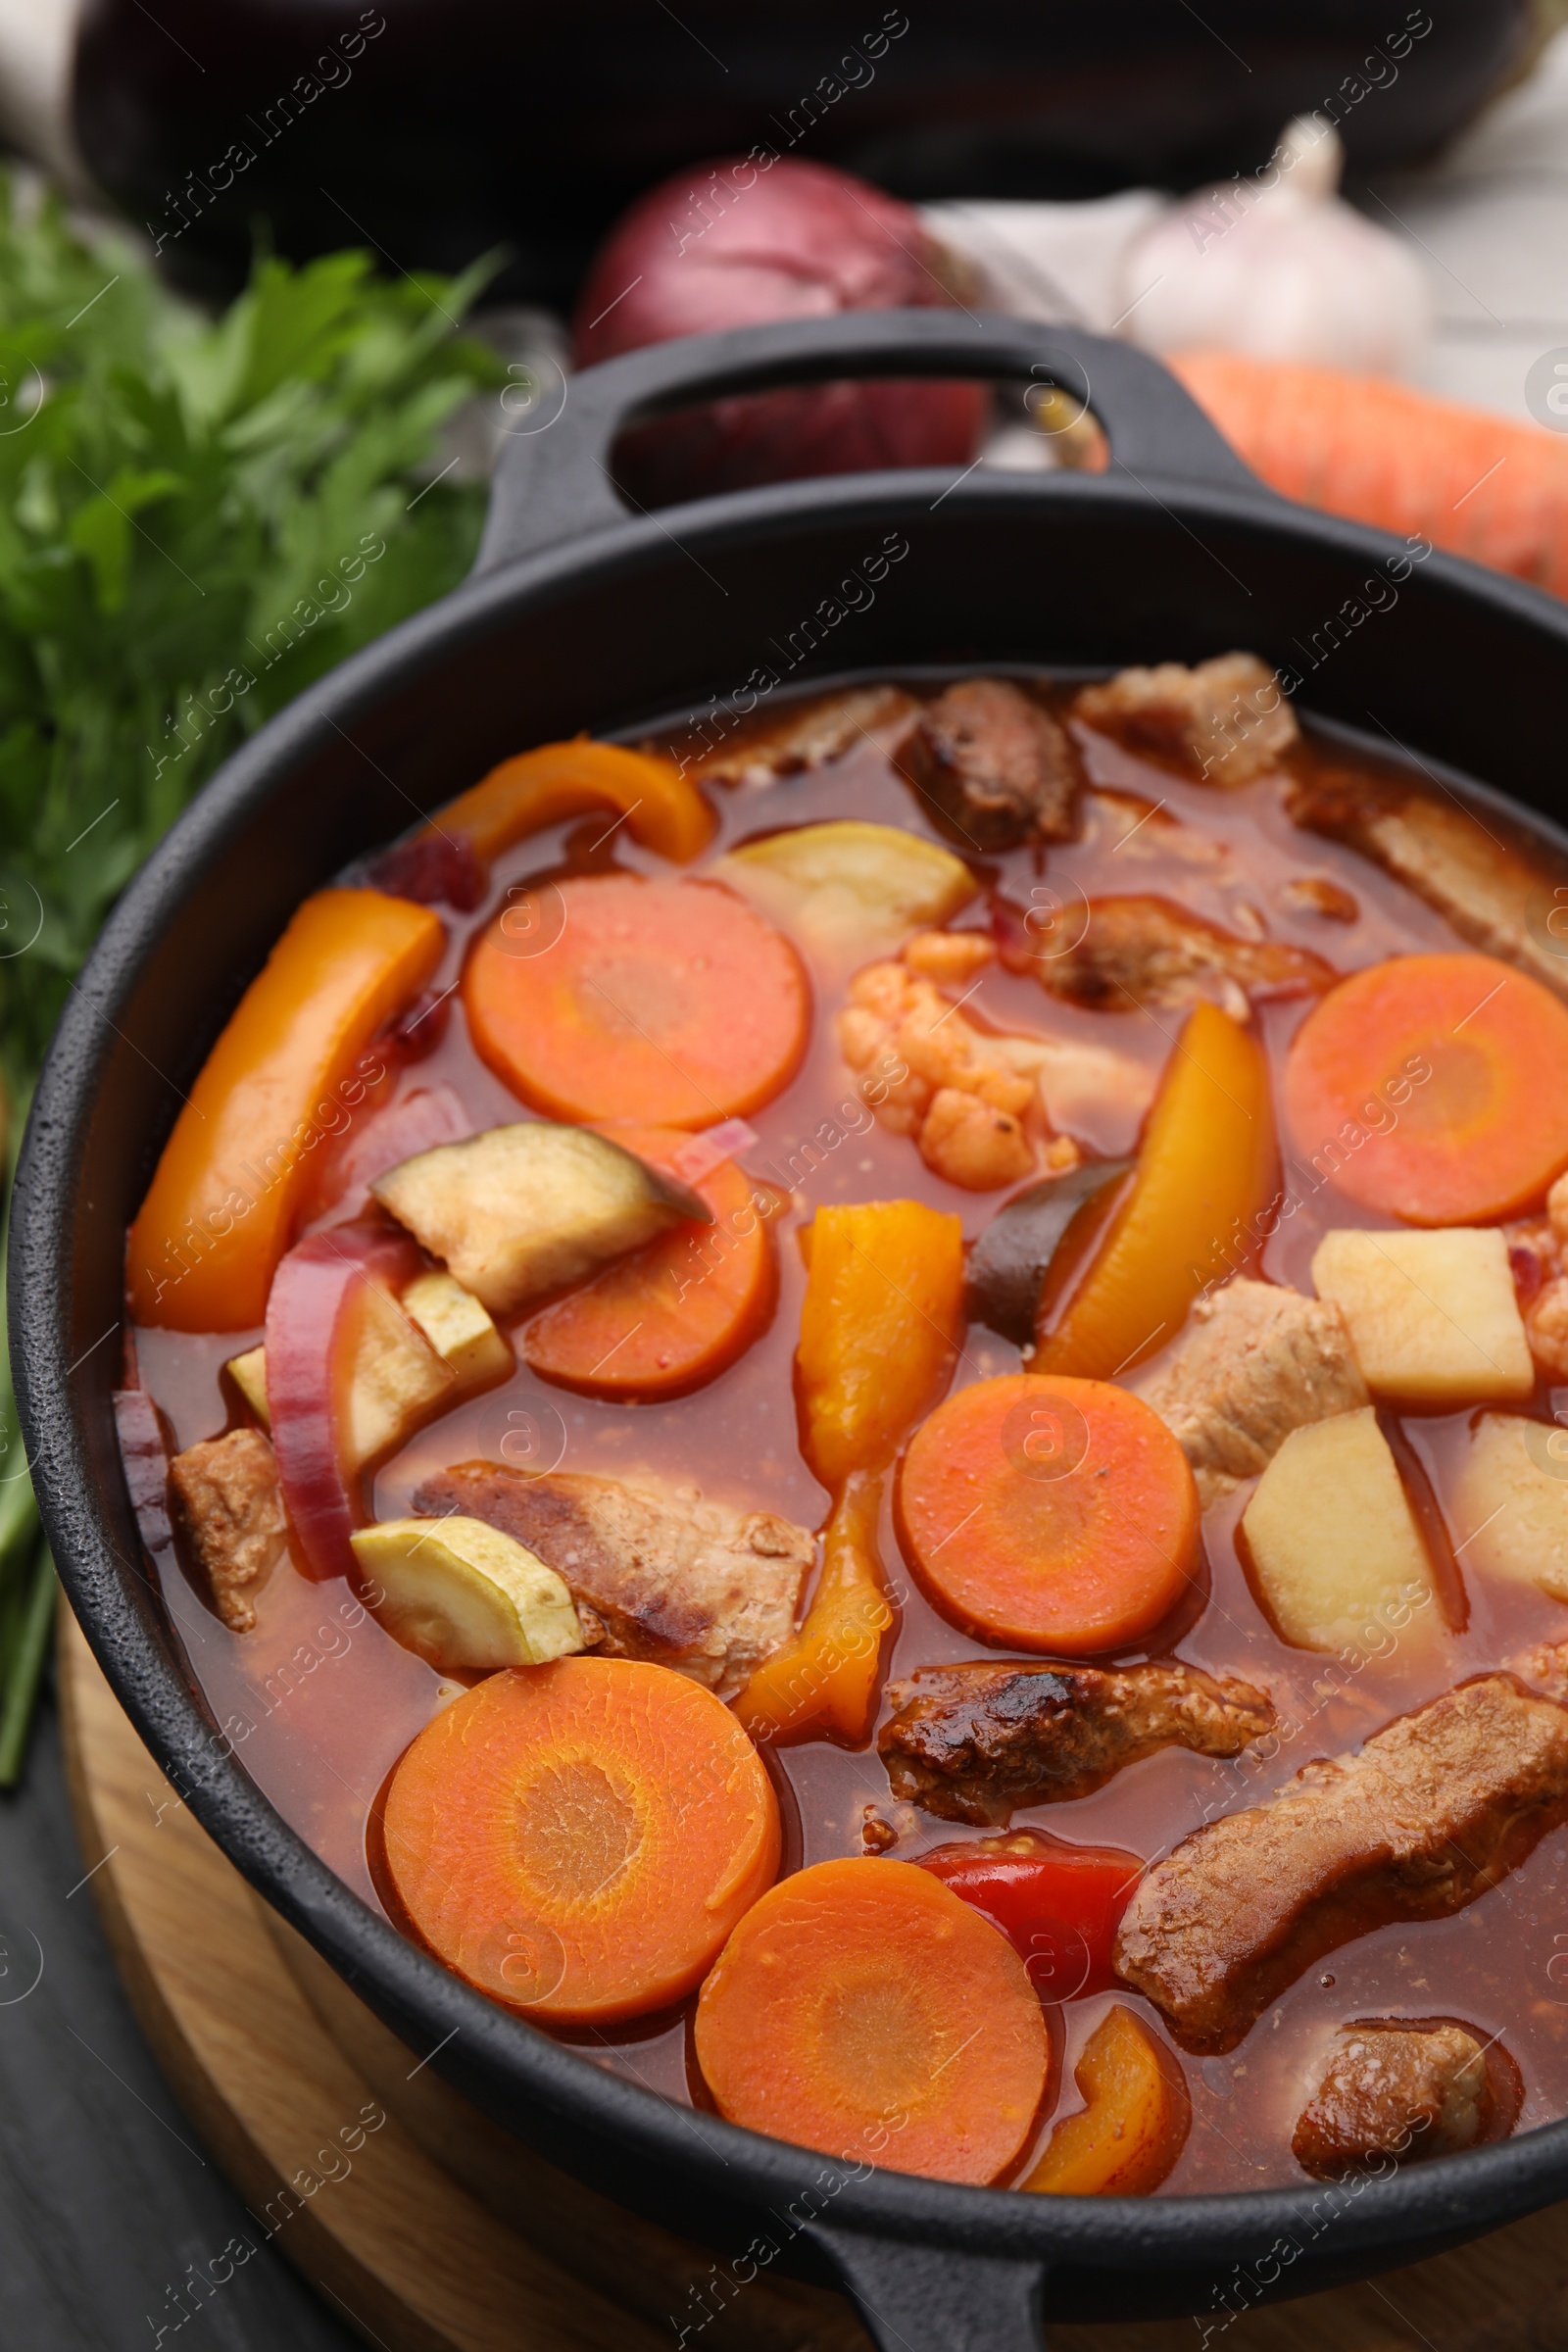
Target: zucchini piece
<point>520,1210</point>
<point>1007,1267</point>
<point>850,884</point>
<point>459,1594</point>
<point>458,1327</point>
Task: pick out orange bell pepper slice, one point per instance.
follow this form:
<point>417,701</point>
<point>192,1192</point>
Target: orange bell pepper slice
<point>880,1328</point>
<point>1204,1169</point>
<point>1125,2141</point>
<point>879,1332</point>
<point>663,809</point>
<point>824,1678</point>
<point>287,1072</point>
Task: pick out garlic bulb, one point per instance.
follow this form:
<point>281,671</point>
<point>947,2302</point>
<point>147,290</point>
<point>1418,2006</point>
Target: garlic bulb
<point>1278,266</point>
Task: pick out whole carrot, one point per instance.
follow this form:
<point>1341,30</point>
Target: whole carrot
<point>1383,453</point>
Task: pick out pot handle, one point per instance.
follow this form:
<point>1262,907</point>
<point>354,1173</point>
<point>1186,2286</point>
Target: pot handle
<point>916,2298</point>
<point>552,482</point>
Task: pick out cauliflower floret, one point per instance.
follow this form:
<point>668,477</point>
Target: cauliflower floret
<point>969,1142</point>
<point>951,958</point>
<point>1546,1328</point>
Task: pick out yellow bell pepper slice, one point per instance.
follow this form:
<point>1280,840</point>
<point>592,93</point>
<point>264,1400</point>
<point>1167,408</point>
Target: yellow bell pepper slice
<point>1203,1173</point>
<point>286,1073</point>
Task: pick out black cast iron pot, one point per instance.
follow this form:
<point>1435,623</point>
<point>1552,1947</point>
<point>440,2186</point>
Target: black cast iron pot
<point>583,615</point>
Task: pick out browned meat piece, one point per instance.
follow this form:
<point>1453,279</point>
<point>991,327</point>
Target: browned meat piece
<point>970,1742</point>
<point>993,766</point>
<point>684,1582</point>
<point>1535,1248</point>
<point>1487,889</point>
<point>1130,823</point>
<point>1399,2089</point>
<point>230,1505</point>
<point>807,735</point>
<point>1227,721</point>
<point>1262,1361</point>
<point>1315,894</point>
<point>1435,1808</point>
<point>1142,949</point>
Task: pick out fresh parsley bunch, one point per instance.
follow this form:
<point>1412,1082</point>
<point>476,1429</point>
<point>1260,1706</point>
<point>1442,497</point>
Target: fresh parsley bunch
<point>196,519</point>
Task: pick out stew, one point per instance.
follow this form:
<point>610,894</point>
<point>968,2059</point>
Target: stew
<point>865,1409</point>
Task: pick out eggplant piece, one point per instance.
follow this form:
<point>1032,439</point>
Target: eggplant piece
<point>528,1208</point>
<point>1008,1265</point>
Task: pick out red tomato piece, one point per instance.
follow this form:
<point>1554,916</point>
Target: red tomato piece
<point>1059,1905</point>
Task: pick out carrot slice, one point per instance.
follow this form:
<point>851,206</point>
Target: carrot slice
<point>577,1840</point>
<point>229,1193</point>
<point>862,2009</point>
<point>670,1003</point>
<point>663,809</point>
<point>672,1314</point>
<point>1431,1088</point>
<point>1124,2142</point>
<point>1048,1515</point>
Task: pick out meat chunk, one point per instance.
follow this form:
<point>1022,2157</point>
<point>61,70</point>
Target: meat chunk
<point>993,766</point>
<point>1535,1248</point>
<point>1262,1361</point>
<point>1435,1808</point>
<point>1394,2089</point>
<point>230,1505</point>
<point>1227,721</point>
<point>1131,822</point>
<point>708,1591</point>
<point>1489,892</point>
<point>807,735</point>
<point>970,1742</point>
<point>1315,894</point>
<point>1142,949</point>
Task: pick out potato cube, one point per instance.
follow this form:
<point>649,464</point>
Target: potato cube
<point>1335,1551</point>
<point>1508,1509</point>
<point>1432,1316</point>
<point>411,1357</point>
<point>850,884</point>
<point>399,1380</point>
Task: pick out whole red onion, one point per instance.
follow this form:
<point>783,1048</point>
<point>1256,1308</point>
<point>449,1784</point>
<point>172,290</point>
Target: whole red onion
<point>743,241</point>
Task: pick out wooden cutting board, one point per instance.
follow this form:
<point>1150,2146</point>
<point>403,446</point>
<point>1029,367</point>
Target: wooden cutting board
<point>436,2233</point>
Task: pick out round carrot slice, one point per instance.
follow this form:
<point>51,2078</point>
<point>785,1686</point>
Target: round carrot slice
<point>862,2008</point>
<point>672,1314</point>
<point>1048,1515</point>
<point>671,1001</point>
<point>1433,1087</point>
<point>578,1839</point>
